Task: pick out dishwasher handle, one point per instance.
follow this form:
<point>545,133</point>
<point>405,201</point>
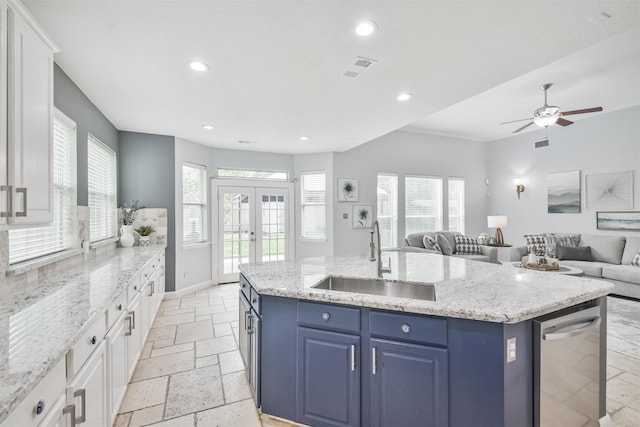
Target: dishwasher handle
<point>583,328</point>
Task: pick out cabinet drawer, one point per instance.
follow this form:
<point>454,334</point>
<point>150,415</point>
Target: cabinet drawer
<point>133,288</point>
<point>83,348</point>
<point>116,310</point>
<point>421,329</point>
<point>255,300</point>
<point>145,273</point>
<point>45,393</point>
<point>245,288</point>
<point>327,316</point>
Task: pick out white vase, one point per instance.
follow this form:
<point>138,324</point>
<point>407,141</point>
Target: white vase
<point>126,236</point>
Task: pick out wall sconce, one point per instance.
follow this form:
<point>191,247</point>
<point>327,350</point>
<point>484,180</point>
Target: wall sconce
<point>519,186</point>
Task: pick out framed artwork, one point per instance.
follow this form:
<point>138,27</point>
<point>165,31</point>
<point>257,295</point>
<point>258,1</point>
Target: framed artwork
<point>618,221</point>
<point>610,190</point>
<point>362,216</point>
<point>347,190</point>
<point>563,192</point>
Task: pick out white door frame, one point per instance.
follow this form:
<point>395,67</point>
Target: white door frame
<point>216,183</point>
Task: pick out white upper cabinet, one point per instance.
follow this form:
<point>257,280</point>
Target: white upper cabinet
<point>28,187</point>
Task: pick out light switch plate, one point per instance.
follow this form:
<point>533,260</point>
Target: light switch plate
<point>511,350</point>
<point>345,216</point>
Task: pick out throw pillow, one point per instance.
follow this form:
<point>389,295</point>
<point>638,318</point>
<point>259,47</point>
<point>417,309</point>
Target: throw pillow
<point>445,246</point>
<point>535,244</point>
<point>551,241</point>
<point>431,243</point>
<point>467,245</point>
<point>636,260</point>
<point>582,253</point>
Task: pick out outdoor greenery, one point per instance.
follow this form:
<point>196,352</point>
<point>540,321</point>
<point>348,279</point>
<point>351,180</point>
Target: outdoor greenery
<point>231,246</point>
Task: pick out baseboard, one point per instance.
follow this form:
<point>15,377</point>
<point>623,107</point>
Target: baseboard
<point>606,421</point>
<point>188,290</point>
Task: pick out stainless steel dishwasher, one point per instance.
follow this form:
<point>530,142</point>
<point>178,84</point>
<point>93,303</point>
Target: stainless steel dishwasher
<point>568,373</point>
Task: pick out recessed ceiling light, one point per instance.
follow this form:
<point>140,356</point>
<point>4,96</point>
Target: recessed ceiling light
<point>198,66</point>
<point>304,138</point>
<point>207,127</point>
<point>366,28</point>
<point>404,96</point>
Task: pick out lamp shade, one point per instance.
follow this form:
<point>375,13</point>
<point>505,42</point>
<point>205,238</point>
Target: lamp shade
<point>496,221</point>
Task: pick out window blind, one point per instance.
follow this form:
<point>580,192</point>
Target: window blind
<point>423,204</point>
<point>456,204</point>
<point>387,210</point>
<point>194,200</point>
<point>102,190</point>
<point>313,197</point>
<point>29,243</point>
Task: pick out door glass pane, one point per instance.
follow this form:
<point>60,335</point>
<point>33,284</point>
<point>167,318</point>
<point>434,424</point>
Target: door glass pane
<point>236,231</point>
<point>273,217</point>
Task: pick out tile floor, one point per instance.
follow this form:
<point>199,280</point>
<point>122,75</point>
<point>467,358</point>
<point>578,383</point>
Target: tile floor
<point>190,372</point>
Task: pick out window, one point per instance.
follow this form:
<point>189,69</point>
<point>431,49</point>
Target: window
<point>456,204</point>
<point>313,214</point>
<point>252,174</point>
<point>387,209</point>
<point>33,242</point>
<point>102,190</point>
<point>194,203</point>
<point>423,204</point>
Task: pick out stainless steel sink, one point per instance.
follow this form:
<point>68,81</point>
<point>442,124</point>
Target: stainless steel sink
<point>398,289</point>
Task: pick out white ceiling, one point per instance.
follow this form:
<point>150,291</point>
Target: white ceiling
<point>277,65</point>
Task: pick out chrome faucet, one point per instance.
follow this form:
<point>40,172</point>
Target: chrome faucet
<point>377,250</point>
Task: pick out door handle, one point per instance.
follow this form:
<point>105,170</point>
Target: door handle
<point>353,357</point>
<point>9,210</point>
<point>584,327</point>
<point>248,321</point>
<point>82,393</point>
<point>71,409</point>
<point>252,238</point>
<point>373,360</point>
<point>22,190</point>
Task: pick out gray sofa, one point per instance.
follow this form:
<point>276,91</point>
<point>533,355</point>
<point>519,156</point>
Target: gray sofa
<point>414,243</point>
<point>611,261</point>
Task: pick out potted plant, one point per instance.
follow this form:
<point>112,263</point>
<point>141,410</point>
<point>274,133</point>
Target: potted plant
<point>145,231</point>
<point>129,213</point>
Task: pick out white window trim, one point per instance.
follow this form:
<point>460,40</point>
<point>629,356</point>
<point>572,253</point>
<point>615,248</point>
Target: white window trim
<point>311,239</point>
<point>193,243</point>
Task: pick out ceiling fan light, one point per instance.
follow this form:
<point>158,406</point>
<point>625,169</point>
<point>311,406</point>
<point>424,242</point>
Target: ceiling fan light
<point>545,121</point>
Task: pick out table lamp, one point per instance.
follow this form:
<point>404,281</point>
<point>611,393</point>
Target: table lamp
<point>497,221</point>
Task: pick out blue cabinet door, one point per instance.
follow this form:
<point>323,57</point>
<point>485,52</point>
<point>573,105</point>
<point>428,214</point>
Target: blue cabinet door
<point>328,378</point>
<point>409,385</point>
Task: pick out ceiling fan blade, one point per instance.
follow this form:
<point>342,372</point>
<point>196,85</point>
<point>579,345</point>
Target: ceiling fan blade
<point>585,110</point>
<point>523,127</point>
<point>563,122</point>
<point>515,121</point>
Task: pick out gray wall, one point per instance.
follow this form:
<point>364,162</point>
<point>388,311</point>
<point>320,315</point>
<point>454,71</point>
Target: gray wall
<point>409,153</point>
<point>602,144</point>
<point>69,99</point>
<point>146,174</point>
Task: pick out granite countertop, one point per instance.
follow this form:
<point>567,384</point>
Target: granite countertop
<point>464,289</point>
<point>40,321</point>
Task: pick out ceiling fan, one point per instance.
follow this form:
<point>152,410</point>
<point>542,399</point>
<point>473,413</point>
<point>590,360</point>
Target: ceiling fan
<point>548,115</point>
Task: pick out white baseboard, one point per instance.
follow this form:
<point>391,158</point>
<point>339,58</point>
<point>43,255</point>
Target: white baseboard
<point>188,290</point>
<point>606,421</point>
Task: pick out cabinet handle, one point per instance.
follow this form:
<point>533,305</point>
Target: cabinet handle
<point>40,407</point>
<point>7,188</point>
<point>119,307</point>
<point>373,360</point>
<point>83,398</point>
<point>127,333</point>
<point>22,190</point>
<point>133,319</point>
<point>94,340</point>
<point>71,409</point>
<point>326,316</point>
<point>405,328</point>
<point>353,357</point>
<point>248,322</point>
<point>150,289</point>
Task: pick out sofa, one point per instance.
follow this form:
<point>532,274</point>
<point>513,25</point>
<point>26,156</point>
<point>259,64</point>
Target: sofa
<point>611,258</point>
<point>415,243</point>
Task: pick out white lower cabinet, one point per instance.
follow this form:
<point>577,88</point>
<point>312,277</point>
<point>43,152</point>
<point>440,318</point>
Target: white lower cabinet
<point>88,390</point>
<point>118,369</point>
<point>135,334</point>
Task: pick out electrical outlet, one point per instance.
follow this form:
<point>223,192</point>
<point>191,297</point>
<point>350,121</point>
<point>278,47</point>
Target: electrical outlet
<point>511,350</point>
<point>345,216</point>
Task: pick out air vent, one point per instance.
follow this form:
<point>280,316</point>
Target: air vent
<point>358,66</point>
<point>243,141</point>
<point>541,144</point>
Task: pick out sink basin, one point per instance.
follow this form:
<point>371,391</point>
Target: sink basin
<point>399,289</point>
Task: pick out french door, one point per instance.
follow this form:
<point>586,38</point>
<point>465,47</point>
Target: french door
<point>255,224</point>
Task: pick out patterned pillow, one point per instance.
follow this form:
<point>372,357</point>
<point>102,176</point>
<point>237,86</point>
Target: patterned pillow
<point>430,243</point>
<point>535,244</point>
<point>636,260</point>
<point>467,245</point>
<point>552,241</point>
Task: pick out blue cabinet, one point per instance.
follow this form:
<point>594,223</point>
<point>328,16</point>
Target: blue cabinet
<point>328,378</point>
<point>409,384</point>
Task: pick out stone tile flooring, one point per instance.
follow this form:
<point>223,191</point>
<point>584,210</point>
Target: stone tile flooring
<point>190,372</point>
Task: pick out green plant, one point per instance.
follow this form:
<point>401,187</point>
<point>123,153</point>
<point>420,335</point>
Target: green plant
<point>130,211</point>
<point>145,230</point>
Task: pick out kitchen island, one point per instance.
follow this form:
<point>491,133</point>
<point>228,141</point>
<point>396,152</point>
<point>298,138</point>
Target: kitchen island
<point>343,358</point>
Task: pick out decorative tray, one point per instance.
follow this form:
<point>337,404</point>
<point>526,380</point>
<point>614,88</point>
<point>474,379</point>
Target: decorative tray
<point>540,267</point>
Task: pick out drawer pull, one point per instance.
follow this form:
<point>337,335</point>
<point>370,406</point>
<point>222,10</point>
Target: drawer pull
<point>71,409</point>
<point>82,393</point>
<point>135,288</point>
<point>373,360</point>
<point>119,307</point>
<point>353,357</point>
<point>326,316</point>
<point>405,328</point>
<point>94,340</point>
<point>40,407</point>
